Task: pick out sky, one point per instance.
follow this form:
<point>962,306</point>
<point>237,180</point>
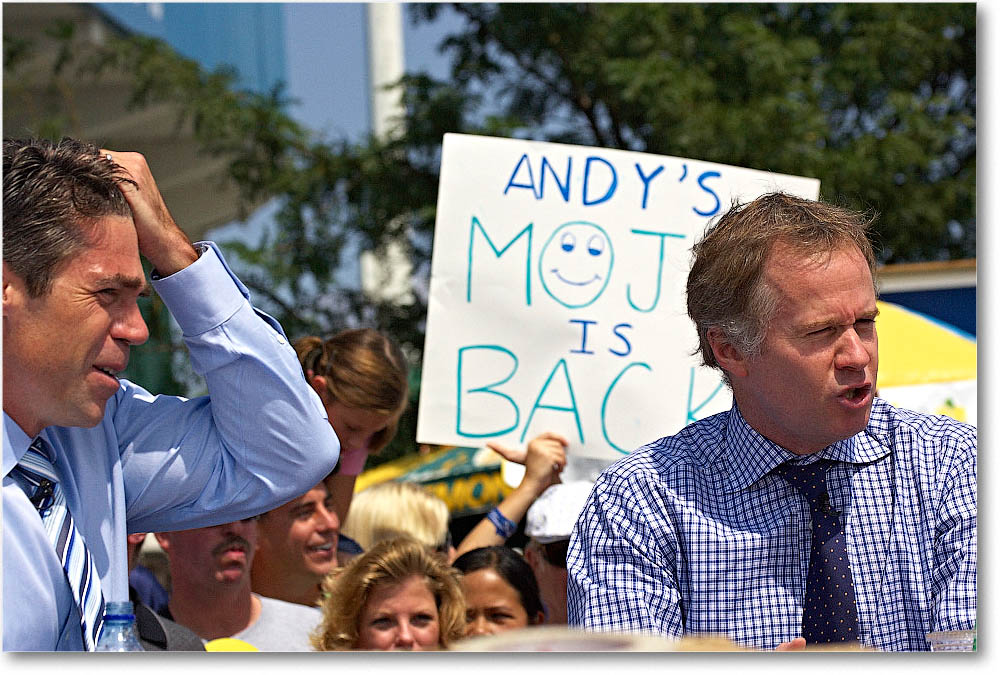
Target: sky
<point>322,59</point>
<point>324,64</point>
<point>327,62</point>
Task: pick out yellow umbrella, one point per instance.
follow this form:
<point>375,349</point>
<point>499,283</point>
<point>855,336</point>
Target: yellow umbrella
<point>914,349</point>
<point>926,365</point>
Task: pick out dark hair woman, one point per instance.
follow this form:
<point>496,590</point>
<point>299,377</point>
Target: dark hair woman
<point>501,592</point>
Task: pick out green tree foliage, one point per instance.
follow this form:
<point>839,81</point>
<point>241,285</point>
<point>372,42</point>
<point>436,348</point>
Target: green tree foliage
<point>876,100</point>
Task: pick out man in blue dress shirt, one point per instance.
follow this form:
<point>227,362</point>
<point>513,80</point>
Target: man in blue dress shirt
<point>702,532</point>
<point>75,221</point>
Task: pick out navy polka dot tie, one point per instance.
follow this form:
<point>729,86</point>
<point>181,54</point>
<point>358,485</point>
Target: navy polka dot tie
<point>829,613</point>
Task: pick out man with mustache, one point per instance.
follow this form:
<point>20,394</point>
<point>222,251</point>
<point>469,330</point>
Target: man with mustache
<point>812,511</point>
<point>210,590</point>
<point>89,456</point>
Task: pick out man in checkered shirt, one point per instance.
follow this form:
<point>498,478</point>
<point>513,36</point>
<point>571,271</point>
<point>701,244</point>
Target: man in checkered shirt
<point>695,533</point>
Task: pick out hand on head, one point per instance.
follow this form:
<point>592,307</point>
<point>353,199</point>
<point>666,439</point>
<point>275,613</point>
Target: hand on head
<point>160,239</point>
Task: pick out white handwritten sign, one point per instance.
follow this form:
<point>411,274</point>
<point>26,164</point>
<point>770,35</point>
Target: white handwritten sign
<point>557,293</point>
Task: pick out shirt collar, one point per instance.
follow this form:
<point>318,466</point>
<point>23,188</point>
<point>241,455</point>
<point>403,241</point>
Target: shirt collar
<point>749,456</point>
<point>15,444</point>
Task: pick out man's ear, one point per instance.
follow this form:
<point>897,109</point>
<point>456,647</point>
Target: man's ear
<point>14,290</point>
<point>729,357</point>
<point>532,557</point>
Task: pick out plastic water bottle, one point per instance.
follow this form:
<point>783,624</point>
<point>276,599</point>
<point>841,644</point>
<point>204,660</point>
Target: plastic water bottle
<point>118,633</point>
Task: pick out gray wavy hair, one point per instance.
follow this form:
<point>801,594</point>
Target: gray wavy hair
<point>726,289</point>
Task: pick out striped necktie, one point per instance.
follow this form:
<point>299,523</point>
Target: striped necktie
<point>829,612</point>
<point>47,496</point>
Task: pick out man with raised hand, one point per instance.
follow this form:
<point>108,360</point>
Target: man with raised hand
<point>87,456</point>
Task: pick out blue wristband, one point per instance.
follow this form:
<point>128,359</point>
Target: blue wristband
<point>504,526</point>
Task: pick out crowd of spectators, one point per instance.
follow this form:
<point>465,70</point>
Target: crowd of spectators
<point>812,512</point>
<point>283,581</point>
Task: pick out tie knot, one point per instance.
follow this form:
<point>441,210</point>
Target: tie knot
<point>41,447</point>
<point>37,459</point>
<point>809,479</point>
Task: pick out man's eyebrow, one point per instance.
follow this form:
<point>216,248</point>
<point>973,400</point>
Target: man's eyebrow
<point>823,323</point>
<point>124,281</point>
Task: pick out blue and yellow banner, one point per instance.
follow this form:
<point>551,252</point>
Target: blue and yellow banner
<point>467,479</point>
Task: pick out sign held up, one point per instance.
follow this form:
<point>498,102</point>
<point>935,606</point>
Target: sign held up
<point>557,293</point>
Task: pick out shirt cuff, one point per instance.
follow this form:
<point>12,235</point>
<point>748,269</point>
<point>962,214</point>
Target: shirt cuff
<point>204,294</point>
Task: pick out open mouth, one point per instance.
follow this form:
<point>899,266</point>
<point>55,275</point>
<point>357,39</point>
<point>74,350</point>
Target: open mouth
<point>233,558</point>
<point>328,546</point>
<point>107,371</point>
<point>857,394</point>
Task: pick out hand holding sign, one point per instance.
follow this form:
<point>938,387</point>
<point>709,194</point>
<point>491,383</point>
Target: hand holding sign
<point>544,458</point>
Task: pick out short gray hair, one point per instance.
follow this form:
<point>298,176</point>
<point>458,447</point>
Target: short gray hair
<point>725,288</point>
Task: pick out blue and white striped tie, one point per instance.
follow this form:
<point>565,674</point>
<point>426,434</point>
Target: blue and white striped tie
<point>50,501</point>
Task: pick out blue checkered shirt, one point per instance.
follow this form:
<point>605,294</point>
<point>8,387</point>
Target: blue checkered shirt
<point>693,533</point>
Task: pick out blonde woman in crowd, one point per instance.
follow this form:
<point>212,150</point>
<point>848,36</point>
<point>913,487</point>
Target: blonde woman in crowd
<point>397,596</point>
<point>389,510</point>
<point>361,377</point>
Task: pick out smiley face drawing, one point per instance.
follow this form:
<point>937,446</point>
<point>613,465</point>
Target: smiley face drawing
<point>575,263</point>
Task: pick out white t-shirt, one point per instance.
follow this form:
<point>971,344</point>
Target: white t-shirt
<point>282,626</point>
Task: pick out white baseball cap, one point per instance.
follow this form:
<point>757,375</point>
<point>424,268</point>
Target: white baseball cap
<point>554,513</point>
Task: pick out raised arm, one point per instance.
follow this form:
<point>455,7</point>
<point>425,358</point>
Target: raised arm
<point>261,436</point>
<point>161,241</point>
<point>544,458</point>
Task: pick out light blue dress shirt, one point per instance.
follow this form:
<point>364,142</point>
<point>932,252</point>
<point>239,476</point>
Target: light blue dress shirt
<point>694,533</point>
<point>159,463</point>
